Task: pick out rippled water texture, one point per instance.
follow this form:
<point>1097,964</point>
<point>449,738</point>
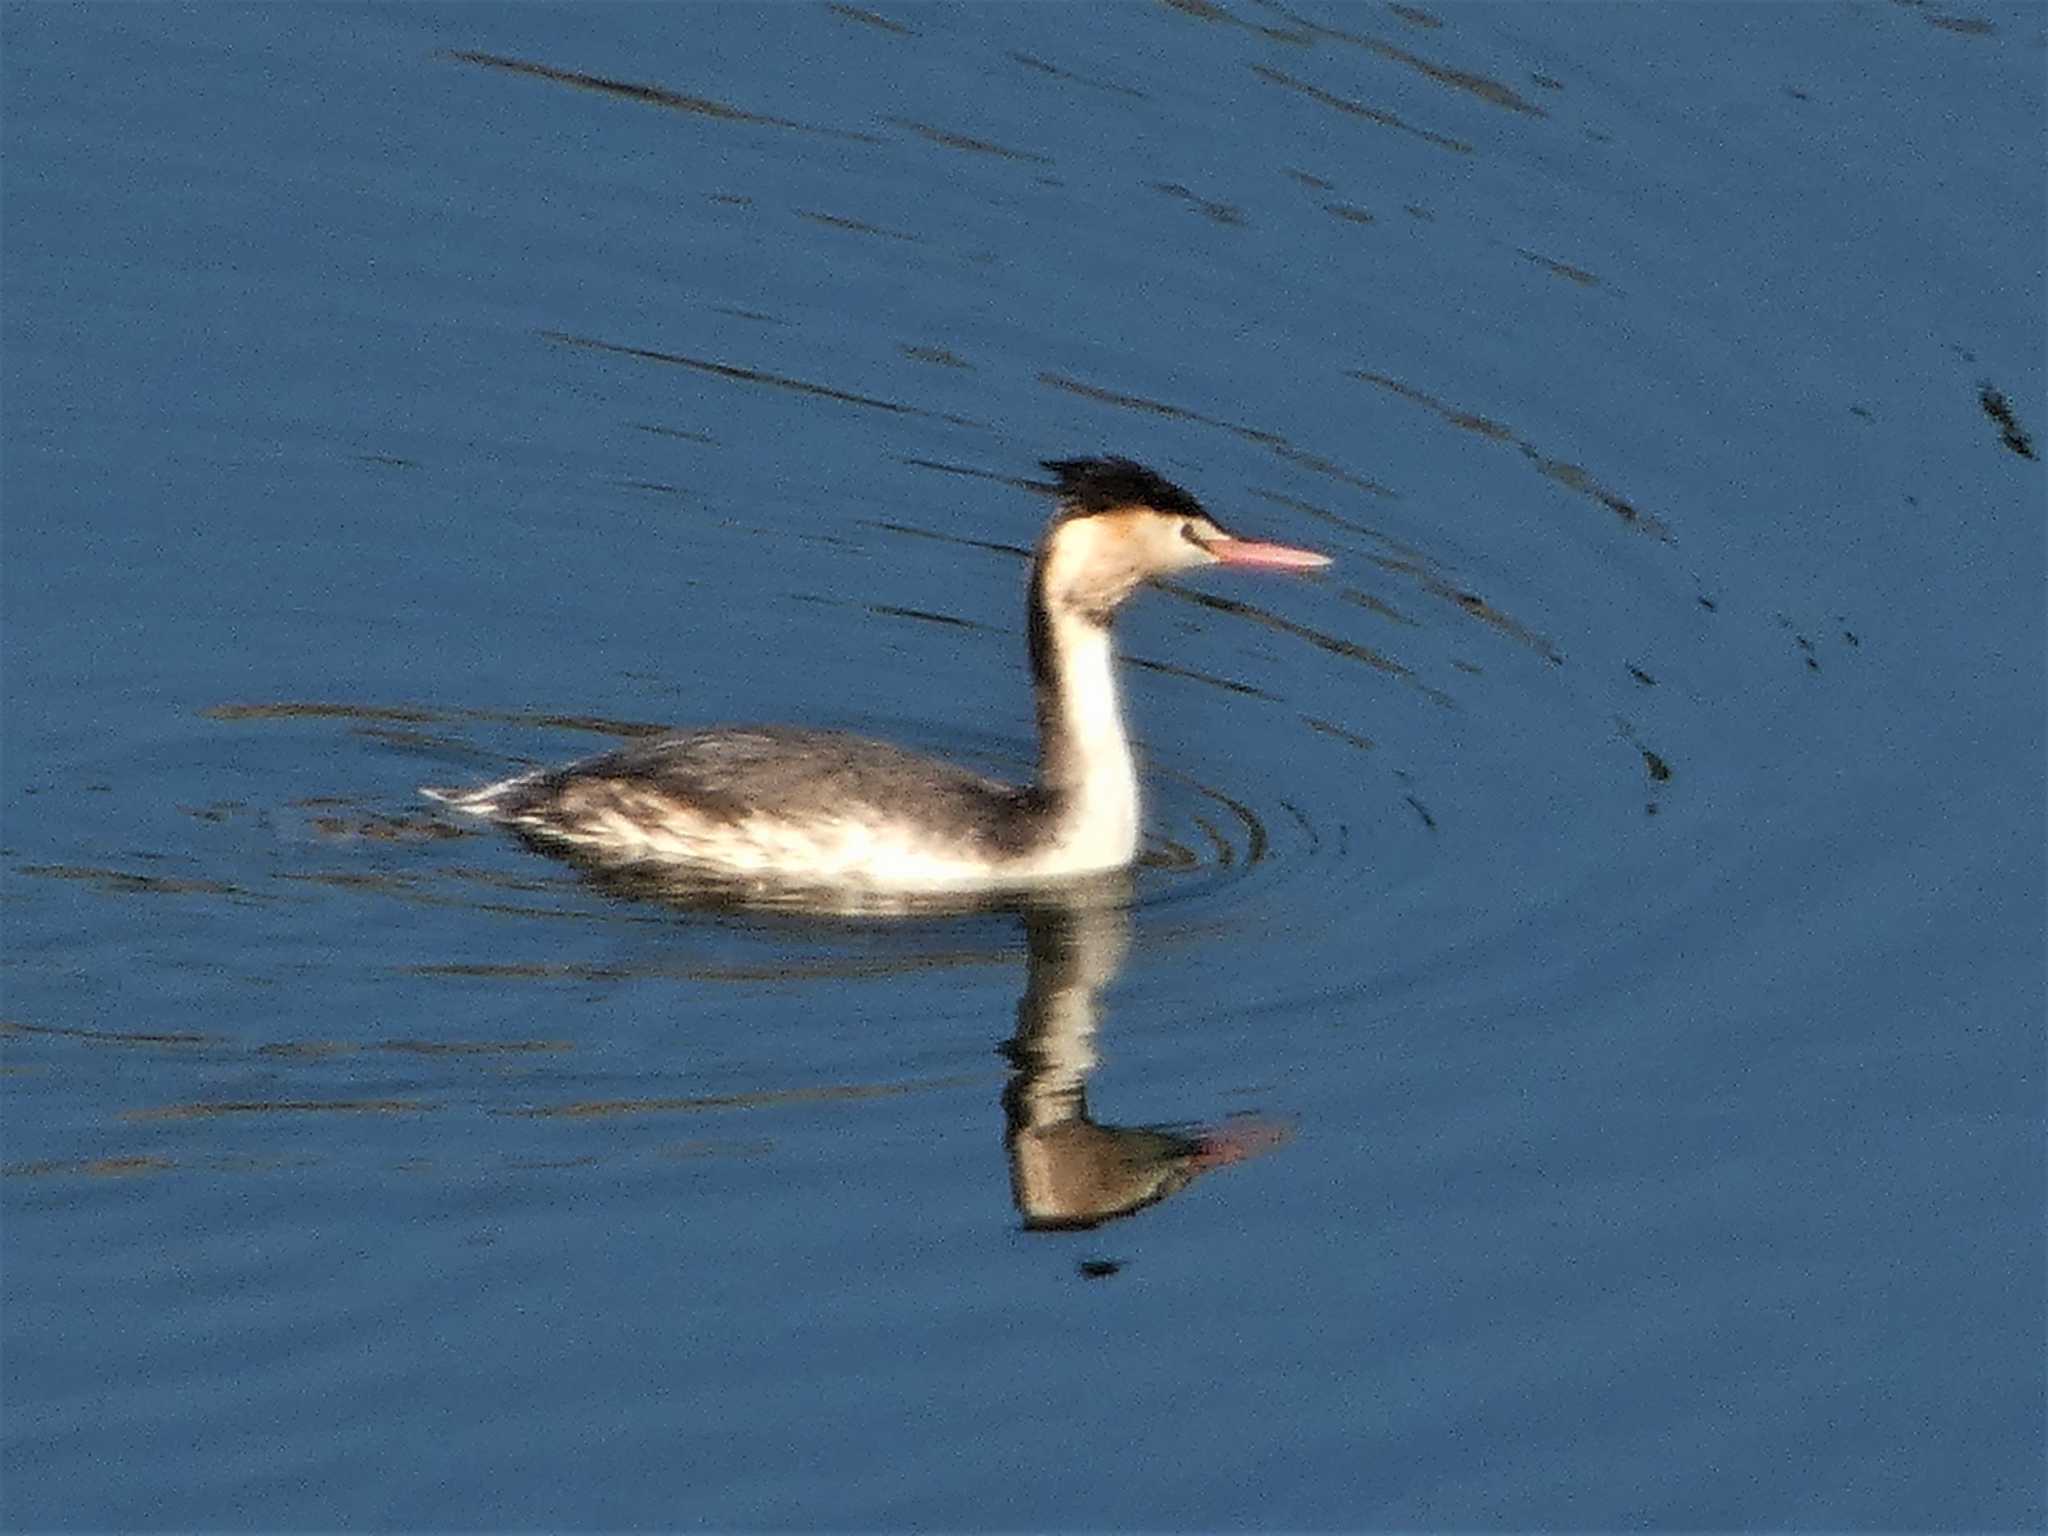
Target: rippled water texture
<point>1572,1056</point>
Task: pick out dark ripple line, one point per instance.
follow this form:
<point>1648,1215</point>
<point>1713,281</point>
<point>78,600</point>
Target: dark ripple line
<point>126,883</point>
<point>1029,62</point>
<point>1256,840</point>
<point>652,95</point>
<point>1168,669</point>
<point>206,1111</point>
<point>1331,643</point>
<point>757,376</point>
<point>1572,477</point>
<point>590,1109</point>
<point>946,139</point>
<point>1352,108</point>
<point>857,226</point>
<point>1484,87</point>
<point>869,18</point>
<point>116,1167</point>
<point>106,1036</point>
<point>294,710</point>
<point>1018,482</point>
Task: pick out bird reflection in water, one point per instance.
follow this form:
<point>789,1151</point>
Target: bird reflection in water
<point>1067,1172</point>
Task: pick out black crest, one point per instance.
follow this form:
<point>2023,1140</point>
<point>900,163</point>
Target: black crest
<point>1087,486</point>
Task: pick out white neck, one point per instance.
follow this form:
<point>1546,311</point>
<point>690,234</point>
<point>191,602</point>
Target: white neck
<point>1085,760</point>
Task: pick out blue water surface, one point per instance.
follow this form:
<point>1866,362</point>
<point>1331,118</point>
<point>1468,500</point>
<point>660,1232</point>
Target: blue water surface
<point>1603,917</point>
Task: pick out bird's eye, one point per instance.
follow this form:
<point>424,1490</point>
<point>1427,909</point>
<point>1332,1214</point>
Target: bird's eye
<point>1187,531</point>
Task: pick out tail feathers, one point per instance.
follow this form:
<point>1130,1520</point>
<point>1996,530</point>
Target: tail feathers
<point>489,800</point>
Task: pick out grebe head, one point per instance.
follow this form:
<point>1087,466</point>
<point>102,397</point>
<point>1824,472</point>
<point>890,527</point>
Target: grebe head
<point>1120,524</point>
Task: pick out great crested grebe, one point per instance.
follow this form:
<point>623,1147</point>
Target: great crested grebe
<point>776,807</point>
